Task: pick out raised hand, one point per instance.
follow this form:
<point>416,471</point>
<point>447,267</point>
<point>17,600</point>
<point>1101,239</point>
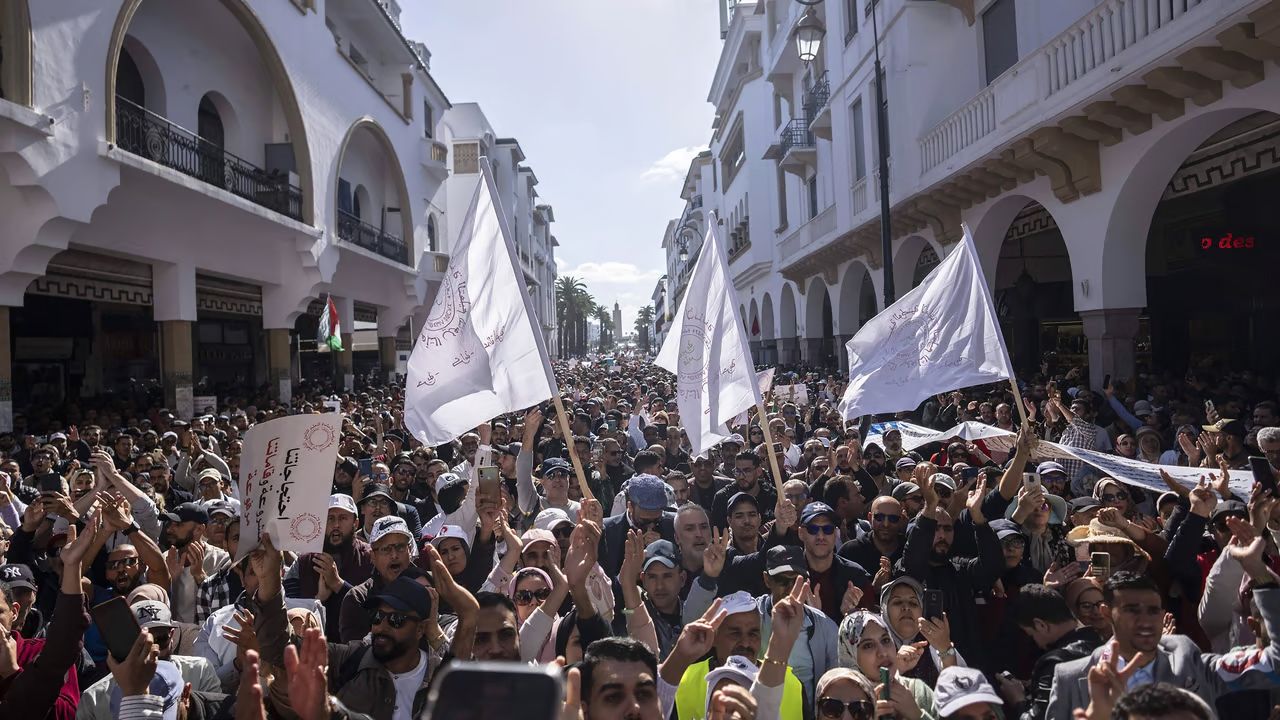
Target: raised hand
<point>884,573</point>
<point>732,702</point>
<point>1203,499</point>
<point>133,674</point>
<point>194,557</point>
<point>1107,684</point>
<point>713,556</point>
<point>242,635</point>
<point>698,636</point>
<point>8,654</point>
<point>909,655</point>
<point>327,570</point>
<point>785,516</point>
<point>1058,576</point>
<point>974,503</point>
<point>937,632</point>
<point>308,677</point>
<point>788,620</point>
<point>852,596</point>
<point>632,559</point>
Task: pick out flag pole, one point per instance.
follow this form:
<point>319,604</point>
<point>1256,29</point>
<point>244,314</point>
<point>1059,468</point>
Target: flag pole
<point>768,443</point>
<point>567,431</point>
<point>1017,400</point>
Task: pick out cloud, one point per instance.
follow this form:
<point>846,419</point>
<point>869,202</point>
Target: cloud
<point>613,273</point>
<point>672,166</point>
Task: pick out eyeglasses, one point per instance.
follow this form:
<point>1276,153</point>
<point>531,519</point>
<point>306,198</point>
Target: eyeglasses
<point>393,549</point>
<point>394,619</point>
<point>833,708</point>
<point>815,529</point>
<point>563,475</point>
<point>644,524</point>
<point>740,472</point>
<point>1087,607</point>
<point>528,597</point>
<point>122,563</point>
<point>796,497</point>
<point>886,518</point>
<point>563,531</point>
<point>1121,495</point>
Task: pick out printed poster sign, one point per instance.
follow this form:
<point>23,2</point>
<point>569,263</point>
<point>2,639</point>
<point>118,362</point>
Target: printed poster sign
<point>286,468</point>
<point>798,394</point>
<point>205,404</point>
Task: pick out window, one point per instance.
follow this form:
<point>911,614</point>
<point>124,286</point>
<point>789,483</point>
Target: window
<point>428,118</point>
<point>431,233</point>
<point>781,177</point>
<point>850,20</point>
<point>999,38</point>
<point>813,196</point>
<point>732,156</point>
<point>466,158</point>
<point>859,141</point>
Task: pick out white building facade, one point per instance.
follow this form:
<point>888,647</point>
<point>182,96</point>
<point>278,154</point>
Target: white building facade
<point>1112,159</point>
<point>183,183</point>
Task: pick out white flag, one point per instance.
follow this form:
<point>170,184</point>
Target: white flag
<point>715,379</point>
<point>940,336</point>
<point>478,354</point>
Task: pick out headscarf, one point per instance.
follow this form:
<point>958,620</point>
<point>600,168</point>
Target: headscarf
<point>885,593</point>
<point>148,591</point>
<point>835,674</point>
<point>522,573</point>
<point>851,629</point>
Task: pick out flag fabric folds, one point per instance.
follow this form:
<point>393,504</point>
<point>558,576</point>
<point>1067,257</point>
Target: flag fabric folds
<point>330,330</point>
<point>705,348</point>
<point>940,336</point>
<point>478,355</point>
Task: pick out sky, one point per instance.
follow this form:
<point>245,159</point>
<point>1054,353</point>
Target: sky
<point>608,99</point>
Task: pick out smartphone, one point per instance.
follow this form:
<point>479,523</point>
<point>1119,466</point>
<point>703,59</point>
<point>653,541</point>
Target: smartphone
<point>885,681</point>
<point>597,453</point>
<point>49,483</point>
<point>933,604</point>
<point>365,466</point>
<point>1032,481</point>
<point>970,473</point>
<point>1082,558</point>
<point>490,485</point>
<point>477,690</point>
<point>777,448</point>
<point>1007,676</point>
<point>1262,473</point>
<point>118,626</point>
<point>1209,407</point>
<point>1101,563</point>
<point>1106,381</point>
<point>612,425</point>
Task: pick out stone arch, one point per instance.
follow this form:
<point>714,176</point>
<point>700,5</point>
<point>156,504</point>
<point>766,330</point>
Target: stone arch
<point>367,123</point>
<point>857,277</point>
<point>275,68</point>
<point>16,78</point>
<point>433,244</point>
<point>768,324</point>
<point>226,113</point>
<point>990,228</point>
<point>788,327</point>
<point>149,70</point>
<point>814,315</point>
<point>906,258</point>
<point>754,328</point>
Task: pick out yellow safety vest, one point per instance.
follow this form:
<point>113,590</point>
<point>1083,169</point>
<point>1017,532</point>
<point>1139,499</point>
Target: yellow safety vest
<point>691,695</point>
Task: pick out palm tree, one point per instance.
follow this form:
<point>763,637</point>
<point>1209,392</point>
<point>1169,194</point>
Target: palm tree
<point>601,315</point>
<point>571,308</point>
<point>643,320</point>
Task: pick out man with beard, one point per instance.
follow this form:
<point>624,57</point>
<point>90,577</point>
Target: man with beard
<point>872,476</point>
<point>393,549</point>
<point>927,558</point>
<point>378,500</point>
<point>693,534</point>
<point>387,677</point>
<point>346,561</point>
<point>161,478</point>
<point>403,472</point>
<point>189,557</point>
<point>705,483</point>
<point>497,632</point>
<point>223,587</point>
<point>747,472</point>
<point>886,539</point>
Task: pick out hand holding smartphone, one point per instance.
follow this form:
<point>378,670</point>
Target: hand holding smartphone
<point>118,626</point>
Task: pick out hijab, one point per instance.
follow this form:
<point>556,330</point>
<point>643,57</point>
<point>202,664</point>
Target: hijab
<point>851,630</point>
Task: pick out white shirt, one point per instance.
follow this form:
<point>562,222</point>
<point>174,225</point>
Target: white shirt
<point>407,685</point>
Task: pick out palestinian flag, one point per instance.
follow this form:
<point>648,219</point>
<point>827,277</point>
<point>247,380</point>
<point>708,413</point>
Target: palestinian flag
<point>330,332</point>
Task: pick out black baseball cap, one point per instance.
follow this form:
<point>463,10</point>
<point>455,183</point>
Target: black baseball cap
<point>187,512</point>
<point>17,575</point>
<point>1083,504</point>
<point>785,559</point>
<point>663,551</point>
<point>404,595</point>
<point>375,490</point>
<point>742,497</point>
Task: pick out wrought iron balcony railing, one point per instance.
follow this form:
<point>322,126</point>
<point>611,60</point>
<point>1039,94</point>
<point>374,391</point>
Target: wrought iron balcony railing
<point>148,135</point>
<point>354,230</point>
<point>817,96</point>
<point>796,135</point>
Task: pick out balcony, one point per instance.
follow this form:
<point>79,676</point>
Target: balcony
<point>809,236</point>
<point>817,106</point>
<point>152,137</point>
<point>796,148</point>
<point>1068,71</point>
<point>435,158</point>
<point>361,234</point>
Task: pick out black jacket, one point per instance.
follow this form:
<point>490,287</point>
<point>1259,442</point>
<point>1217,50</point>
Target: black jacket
<point>959,578</point>
<point>766,500</point>
<point>1074,645</point>
<point>864,552</point>
<point>613,540</point>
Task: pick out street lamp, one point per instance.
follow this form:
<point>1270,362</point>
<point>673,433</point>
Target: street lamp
<point>684,250</point>
<point>809,34</point>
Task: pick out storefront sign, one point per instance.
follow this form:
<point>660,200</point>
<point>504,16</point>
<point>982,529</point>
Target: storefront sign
<point>1229,241</point>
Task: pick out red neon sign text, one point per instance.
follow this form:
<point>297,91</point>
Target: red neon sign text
<point>1227,242</point>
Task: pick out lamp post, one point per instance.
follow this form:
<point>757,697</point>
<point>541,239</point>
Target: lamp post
<point>882,147</point>
<point>809,34</point>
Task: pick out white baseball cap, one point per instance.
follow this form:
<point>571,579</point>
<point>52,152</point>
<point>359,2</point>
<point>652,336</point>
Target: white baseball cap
<point>959,687</point>
<point>451,531</point>
<point>342,501</point>
<point>388,525</point>
<point>736,668</point>
<point>738,602</point>
<point>551,518</point>
<point>537,535</point>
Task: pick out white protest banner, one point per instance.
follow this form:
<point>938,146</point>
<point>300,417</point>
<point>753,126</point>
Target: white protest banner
<point>478,355</point>
<point>286,469</point>
<point>715,379</point>
<point>940,336</point>
<point>205,404</point>
<point>798,393</point>
<point>764,380</point>
<point>913,436</point>
<point>1147,475</point>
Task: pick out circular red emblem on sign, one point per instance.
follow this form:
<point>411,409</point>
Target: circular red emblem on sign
<point>305,528</point>
<point>318,437</point>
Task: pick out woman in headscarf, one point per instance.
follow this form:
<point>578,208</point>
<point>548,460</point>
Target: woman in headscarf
<point>924,646</point>
<point>867,646</point>
<point>841,688</point>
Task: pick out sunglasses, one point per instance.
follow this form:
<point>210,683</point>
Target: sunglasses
<point>563,531</point>
<point>1122,495</point>
<point>394,619</point>
<point>833,708</point>
<point>813,529</point>
<point>122,563</point>
<point>644,524</point>
<point>528,597</point>
<point>886,518</point>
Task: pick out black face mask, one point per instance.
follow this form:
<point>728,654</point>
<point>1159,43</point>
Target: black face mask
<point>450,499</point>
<point>875,468</point>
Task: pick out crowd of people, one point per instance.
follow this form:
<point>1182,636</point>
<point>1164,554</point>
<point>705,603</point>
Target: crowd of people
<point>860,580</point>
